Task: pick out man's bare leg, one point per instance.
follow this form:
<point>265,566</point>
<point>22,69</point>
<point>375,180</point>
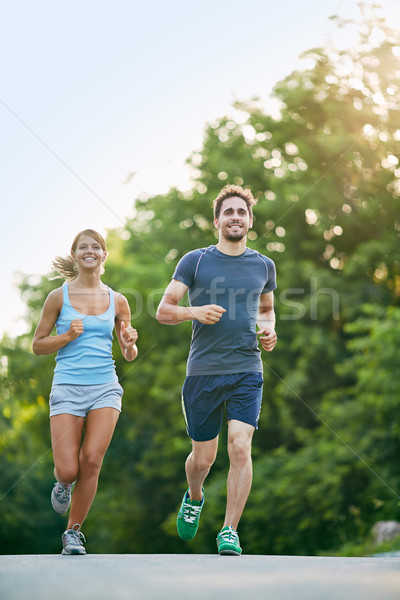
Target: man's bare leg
<point>198,465</point>
<point>240,472</point>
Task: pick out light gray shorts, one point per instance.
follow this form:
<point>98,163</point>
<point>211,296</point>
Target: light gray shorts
<point>80,399</point>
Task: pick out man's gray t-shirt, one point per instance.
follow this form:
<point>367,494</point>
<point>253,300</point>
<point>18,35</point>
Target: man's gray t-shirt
<point>235,283</point>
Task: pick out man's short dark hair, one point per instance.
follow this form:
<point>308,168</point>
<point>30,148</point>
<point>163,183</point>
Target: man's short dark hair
<point>237,191</point>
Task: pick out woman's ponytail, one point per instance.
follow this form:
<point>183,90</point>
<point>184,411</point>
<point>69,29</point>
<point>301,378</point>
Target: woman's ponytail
<point>66,267</point>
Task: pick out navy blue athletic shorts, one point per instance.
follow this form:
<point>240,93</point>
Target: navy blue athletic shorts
<point>204,398</point>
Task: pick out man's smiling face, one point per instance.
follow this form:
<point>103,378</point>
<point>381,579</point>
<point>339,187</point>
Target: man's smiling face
<point>234,220</point>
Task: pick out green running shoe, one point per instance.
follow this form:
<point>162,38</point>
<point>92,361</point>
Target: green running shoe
<point>228,541</point>
<point>187,522</point>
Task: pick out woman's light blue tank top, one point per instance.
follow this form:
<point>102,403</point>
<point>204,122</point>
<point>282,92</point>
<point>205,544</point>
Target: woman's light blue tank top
<point>88,359</point>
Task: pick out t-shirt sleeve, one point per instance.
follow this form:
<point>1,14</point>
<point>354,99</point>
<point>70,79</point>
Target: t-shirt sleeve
<point>186,268</point>
<point>271,276</point>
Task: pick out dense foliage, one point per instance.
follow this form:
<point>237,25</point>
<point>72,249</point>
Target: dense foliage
<point>326,462</point>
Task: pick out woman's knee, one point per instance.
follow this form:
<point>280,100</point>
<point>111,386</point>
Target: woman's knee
<point>90,461</point>
<point>66,473</point>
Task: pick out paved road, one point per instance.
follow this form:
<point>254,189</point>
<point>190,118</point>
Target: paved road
<point>197,577</point>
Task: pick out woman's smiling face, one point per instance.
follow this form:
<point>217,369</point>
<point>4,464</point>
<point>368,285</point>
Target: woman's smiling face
<point>89,252</point>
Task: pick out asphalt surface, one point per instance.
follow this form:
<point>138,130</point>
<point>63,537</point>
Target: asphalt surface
<point>198,576</point>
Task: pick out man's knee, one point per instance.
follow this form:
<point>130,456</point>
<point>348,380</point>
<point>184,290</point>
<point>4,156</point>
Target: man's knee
<point>203,455</point>
<point>239,448</point>
<point>204,463</point>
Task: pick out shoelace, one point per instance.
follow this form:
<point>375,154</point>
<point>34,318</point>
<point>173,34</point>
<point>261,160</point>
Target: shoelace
<point>63,492</point>
<point>229,535</point>
<point>190,512</point>
<point>75,535</point>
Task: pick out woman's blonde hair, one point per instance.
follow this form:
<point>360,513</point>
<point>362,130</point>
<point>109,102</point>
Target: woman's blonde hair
<point>65,266</point>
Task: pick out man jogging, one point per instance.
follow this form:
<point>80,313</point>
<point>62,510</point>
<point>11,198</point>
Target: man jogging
<point>230,290</point>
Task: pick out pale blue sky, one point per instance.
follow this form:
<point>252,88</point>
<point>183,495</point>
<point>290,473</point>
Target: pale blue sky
<point>93,90</point>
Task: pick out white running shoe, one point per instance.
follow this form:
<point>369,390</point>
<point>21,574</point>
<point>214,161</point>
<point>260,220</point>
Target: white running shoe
<point>61,497</point>
<point>72,541</point>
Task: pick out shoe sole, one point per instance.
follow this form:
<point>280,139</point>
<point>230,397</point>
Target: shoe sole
<point>186,539</point>
<point>229,553</point>
<point>76,552</point>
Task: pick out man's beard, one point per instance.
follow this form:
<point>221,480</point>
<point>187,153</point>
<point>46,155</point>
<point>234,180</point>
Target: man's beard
<point>234,237</point>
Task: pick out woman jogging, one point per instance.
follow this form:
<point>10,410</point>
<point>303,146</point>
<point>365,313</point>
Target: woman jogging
<point>85,398</point>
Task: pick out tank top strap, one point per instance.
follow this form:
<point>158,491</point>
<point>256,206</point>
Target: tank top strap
<point>112,300</point>
<point>65,294</point>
